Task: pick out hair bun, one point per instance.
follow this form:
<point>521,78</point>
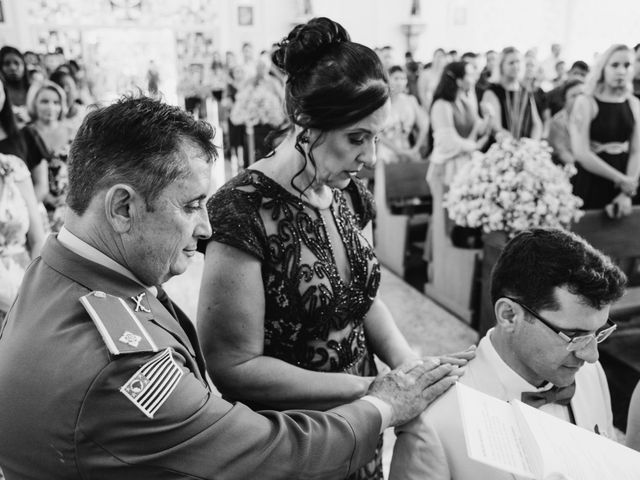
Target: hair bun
<point>307,44</point>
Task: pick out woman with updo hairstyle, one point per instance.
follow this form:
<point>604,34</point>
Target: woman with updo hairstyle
<point>289,314</point>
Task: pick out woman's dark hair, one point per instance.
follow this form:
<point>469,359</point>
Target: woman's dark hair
<point>395,68</point>
<point>332,82</point>
<point>448,86</point>
<point>7,117</point>
<point>9,50</point>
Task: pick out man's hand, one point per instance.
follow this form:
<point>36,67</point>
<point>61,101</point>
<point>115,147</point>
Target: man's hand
<point>410,388</point>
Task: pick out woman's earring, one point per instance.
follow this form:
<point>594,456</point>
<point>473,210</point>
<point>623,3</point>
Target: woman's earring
<point>304,139</point>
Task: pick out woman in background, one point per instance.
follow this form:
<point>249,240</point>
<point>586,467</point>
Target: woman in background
<point>48,139</point>
<point>559,136</point>
<point>605,135</point>
<point>406,130</point>
<point>457,132</point>
<point>11,142</point>
<point>75,110</point>
<point>21,232</point>
<point>15,73</point>
<point>515,113</point>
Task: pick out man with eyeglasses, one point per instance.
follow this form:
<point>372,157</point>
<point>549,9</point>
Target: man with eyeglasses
<point>551,293</point>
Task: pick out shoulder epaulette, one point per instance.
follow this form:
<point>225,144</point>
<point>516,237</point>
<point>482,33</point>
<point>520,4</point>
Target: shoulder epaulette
<point>118,325</point>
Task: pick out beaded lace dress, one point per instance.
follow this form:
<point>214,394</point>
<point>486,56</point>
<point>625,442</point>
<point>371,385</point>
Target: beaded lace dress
<point>313,317</point>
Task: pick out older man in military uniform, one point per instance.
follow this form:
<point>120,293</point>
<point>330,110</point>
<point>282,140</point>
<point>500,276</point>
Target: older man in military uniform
<point>102,377</point>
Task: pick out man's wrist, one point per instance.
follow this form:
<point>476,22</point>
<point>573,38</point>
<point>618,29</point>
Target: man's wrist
<point>386,411</point>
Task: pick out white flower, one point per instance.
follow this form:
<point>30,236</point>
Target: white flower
<point>512,187</point>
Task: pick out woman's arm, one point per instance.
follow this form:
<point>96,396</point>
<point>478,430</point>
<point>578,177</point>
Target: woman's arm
<point>40,179</point>
<point>381,330</point>
<point>490,102</point>
<point>231,311</point>
<point>35,235</point>
<point>633,165</point>
<point>536,128</point>
<point>560,142</point>
<point>579,123</point>
<point>422,123</point>
<point>447,142</point>
<point>386,340</point>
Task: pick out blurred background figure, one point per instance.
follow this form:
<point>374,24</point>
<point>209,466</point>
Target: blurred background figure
<point>636,70</point>
<point>48,139</point>
<point>605,135</point>
<point>556,96</point>
<point>429,78</point>
<point>21,232</point>
<point>406,129</point>
<point>559,136</point>
<point>11,142</point>
<point>13,68</point>
<point>76,111</point>
<point>513,105</point>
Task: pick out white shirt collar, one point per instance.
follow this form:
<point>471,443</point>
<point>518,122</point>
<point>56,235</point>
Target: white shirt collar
<point>512,382</point>
<point>82,248</point>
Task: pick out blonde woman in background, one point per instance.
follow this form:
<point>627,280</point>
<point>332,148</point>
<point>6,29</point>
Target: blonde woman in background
<point>48,139</point>
<point>605,136</point>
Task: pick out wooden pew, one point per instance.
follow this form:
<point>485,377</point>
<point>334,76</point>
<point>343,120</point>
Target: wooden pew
<point>402,199</point>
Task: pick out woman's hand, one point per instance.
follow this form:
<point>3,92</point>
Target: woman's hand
<point>628,185</point>
<point>620,206</point>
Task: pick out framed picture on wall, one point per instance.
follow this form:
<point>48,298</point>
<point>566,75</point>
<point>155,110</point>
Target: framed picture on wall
<point>245,15</point>
<point>1,11</point>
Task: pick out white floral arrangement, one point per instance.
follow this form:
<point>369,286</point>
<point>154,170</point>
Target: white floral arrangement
<point>257,104</point>
<point>513,187</point>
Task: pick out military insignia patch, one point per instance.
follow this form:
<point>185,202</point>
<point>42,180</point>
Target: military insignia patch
<point>153,383</point>
<point>119,327</point>
<point>130,339</point>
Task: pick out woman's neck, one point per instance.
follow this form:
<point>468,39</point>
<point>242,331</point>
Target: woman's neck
<point>614,94</point>
<point>285,167</point>
<point>46,125</point>
<point>510,83</point>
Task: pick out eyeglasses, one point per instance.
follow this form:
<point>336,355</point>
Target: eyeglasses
<point>576,342</point>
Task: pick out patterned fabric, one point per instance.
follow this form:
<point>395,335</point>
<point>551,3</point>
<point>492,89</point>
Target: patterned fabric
<point>313,317</point>
<point>14,223</point>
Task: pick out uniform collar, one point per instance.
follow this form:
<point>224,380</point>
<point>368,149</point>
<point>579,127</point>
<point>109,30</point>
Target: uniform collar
<point>83,249</point>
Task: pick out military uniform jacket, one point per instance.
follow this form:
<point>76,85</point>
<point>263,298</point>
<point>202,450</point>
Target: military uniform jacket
<point>113,387</point>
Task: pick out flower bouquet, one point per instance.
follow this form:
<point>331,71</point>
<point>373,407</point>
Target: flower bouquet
<point>513,187</point>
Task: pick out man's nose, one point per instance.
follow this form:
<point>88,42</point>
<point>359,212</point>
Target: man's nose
<point>203,227</point>
<point>589,353</point>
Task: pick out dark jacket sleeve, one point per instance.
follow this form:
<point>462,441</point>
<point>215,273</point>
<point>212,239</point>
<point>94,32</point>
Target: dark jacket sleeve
<point>200,435</point>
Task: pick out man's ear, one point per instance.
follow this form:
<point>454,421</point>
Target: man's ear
<point>506,313</point>
<point>121,203</point>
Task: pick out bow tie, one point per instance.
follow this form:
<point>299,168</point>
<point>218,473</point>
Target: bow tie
<point>559,395</point>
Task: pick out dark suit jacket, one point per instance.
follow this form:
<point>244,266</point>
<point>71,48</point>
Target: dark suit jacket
<point>63,415</point>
